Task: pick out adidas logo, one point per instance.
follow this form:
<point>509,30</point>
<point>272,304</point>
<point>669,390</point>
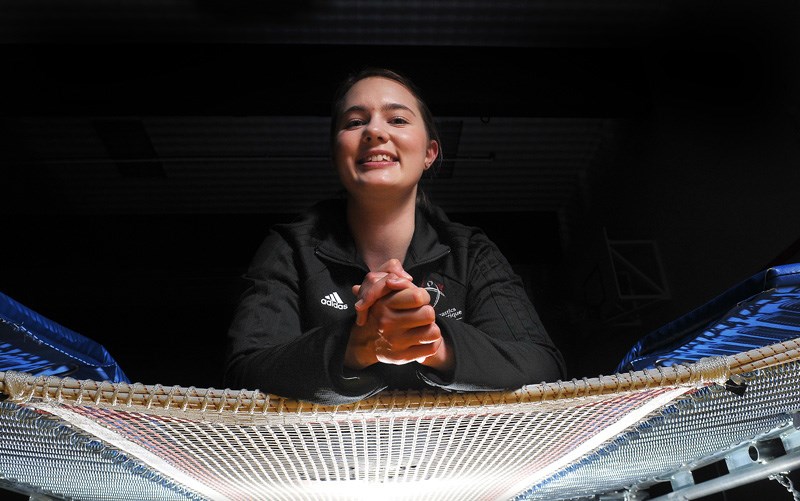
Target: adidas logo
<point>334,300</point>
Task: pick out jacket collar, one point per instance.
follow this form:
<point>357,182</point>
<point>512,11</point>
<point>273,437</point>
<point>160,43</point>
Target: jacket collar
<point>335,241</point>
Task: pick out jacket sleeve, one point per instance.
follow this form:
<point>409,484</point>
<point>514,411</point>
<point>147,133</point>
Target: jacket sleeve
<point>267,348</point>
<point>501,343</point>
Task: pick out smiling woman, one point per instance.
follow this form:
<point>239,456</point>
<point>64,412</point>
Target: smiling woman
<point>382,142</point>
<point>338,304</point>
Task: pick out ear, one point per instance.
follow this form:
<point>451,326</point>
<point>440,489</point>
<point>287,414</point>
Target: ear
<point>431,153</point>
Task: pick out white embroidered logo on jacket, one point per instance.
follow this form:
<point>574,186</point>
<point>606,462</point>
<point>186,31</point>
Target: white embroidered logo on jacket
<point>333,300</point>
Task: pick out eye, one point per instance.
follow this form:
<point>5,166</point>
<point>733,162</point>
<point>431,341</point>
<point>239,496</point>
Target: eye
<point>353,122</point>
<point>398,121</point>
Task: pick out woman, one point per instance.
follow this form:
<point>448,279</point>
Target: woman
<point>379,290</point>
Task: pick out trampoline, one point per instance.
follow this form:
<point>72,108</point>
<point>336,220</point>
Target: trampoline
<point>720,384</point>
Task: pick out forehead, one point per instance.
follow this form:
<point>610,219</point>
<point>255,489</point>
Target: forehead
<point>375,92</point>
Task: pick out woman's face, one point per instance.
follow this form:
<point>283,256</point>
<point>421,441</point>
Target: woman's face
<point>381,144</point>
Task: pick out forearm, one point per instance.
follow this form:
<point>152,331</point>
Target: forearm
<point>308,368</point>
<point>444,358</point>
<point>482,361</point>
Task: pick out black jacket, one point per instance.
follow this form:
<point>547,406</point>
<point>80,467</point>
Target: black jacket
<point>292,323</point>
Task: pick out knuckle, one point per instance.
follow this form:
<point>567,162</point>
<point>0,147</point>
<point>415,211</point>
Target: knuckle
<point>375,275</point>
<point>421,296</point>
<point>429,314</point>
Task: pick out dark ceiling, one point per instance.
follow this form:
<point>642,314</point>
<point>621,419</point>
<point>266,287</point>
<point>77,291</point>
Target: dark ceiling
<point>220,107</point>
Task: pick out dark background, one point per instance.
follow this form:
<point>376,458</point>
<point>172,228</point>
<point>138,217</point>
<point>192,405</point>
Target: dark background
<point>632,159</point>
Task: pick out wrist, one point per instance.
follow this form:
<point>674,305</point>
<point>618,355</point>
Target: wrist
<point>357,354</point>
<point>442,360</point>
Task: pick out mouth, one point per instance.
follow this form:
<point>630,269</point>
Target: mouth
<point>377,158</point>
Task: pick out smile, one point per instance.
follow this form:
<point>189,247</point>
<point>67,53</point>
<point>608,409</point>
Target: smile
<point>381,157</point>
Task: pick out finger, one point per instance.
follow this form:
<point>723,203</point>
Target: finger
<point>368,294</point>
<point>371,281</point>
<point>361,317</point>
<point>408,298</point>
<point>378,284</point>
<point>412,354</point>
<point>400,340</point>
<point>395,266</point>
<point>398,326</point>
<point>365,299</point>
<point>360,350</point>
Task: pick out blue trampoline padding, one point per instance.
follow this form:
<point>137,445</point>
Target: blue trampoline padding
<point>31,343</point>
<point>761,310</point>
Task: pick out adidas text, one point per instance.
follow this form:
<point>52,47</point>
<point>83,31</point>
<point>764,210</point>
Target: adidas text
<point>334,301</point>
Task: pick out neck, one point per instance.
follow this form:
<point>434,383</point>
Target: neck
<point>382,230</point>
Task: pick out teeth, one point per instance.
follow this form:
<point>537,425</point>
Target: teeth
<point>378,158</point>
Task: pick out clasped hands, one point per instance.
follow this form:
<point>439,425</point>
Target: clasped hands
<point>395,323</point>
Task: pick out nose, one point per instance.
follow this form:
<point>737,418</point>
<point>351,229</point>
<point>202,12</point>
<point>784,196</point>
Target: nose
<point>374,131</point>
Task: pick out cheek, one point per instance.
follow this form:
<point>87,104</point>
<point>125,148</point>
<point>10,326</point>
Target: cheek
<point>418,143</point>
<point>343,157</point>
<point>341,151</point>
<point>345,144</point>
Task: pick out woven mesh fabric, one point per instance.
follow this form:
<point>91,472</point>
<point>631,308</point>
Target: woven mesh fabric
<point>693,431</point>
<point>545,440</point>
<point>461,453</point>
<point>485,453</point>
<point>44,455</point>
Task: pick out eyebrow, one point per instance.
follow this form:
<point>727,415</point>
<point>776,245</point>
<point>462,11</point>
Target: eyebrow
<point>385,107</point>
